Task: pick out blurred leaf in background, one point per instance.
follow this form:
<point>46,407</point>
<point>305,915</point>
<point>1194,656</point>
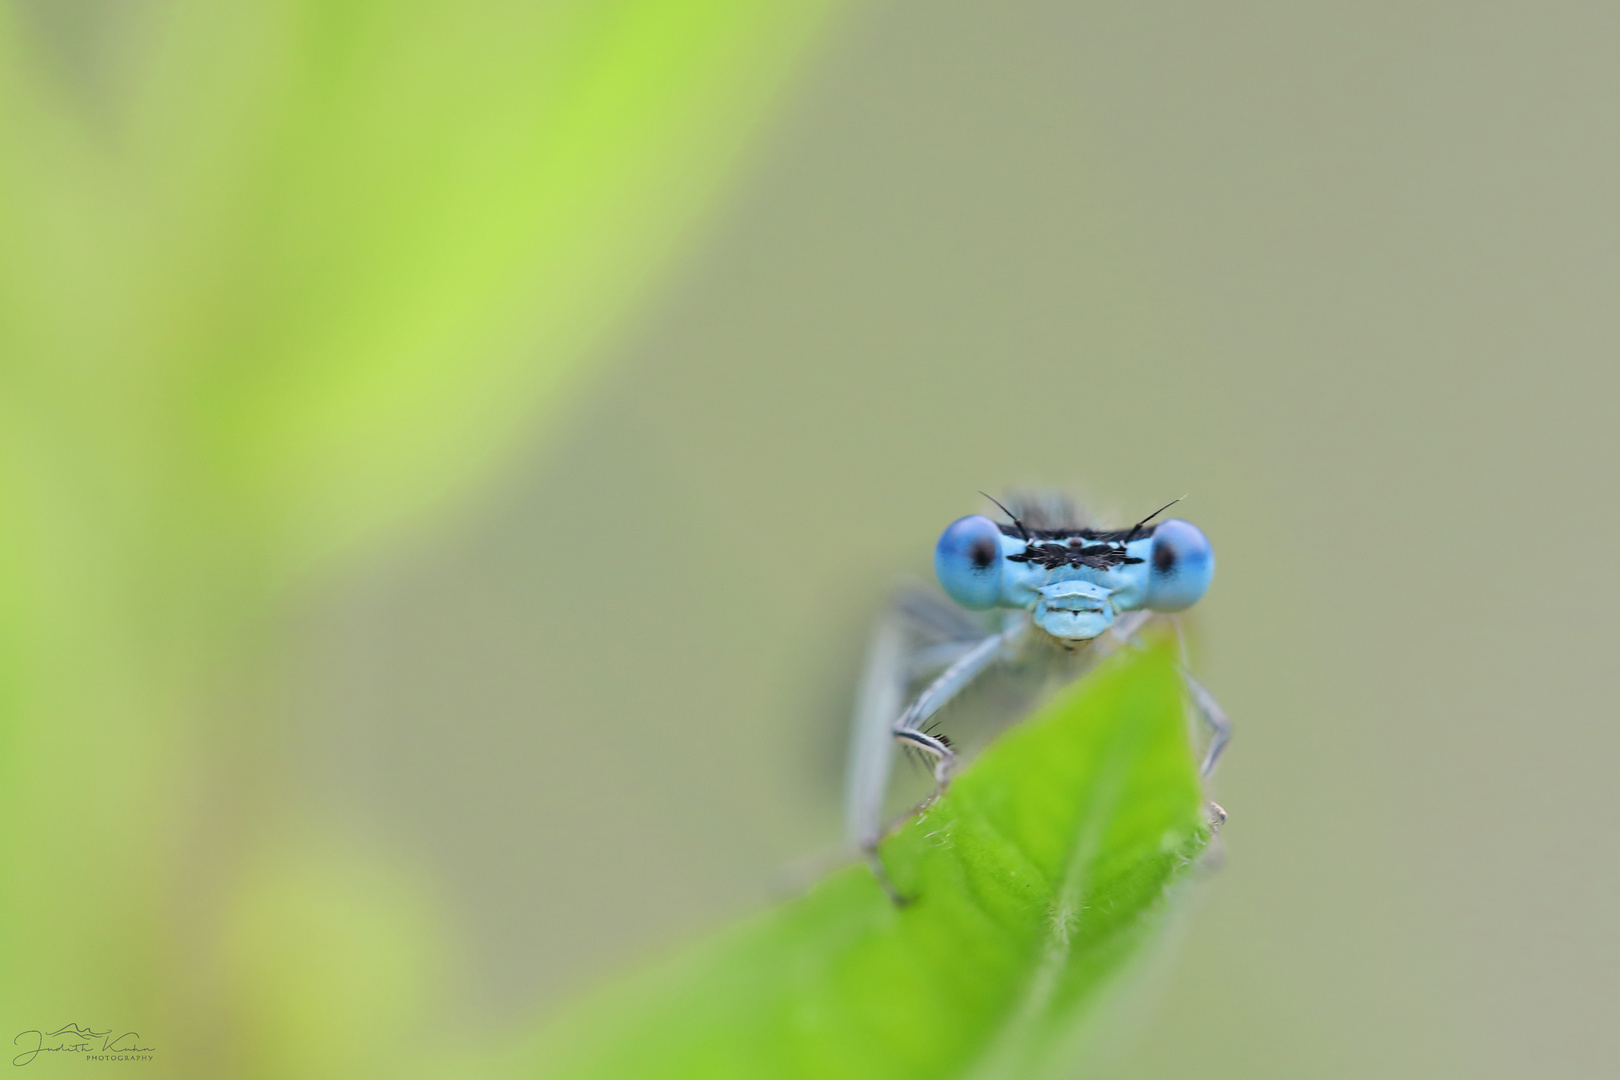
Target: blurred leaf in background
<point>279,278</point>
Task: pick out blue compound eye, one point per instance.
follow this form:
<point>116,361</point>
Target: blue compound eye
<point>1180,567</point>
<point>968,562</point>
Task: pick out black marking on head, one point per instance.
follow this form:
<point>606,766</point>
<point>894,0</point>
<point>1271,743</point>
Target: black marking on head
<point>1164,559</point>
<point>1073,545</point>
<point>1075,553</point>
<point>983,552</point>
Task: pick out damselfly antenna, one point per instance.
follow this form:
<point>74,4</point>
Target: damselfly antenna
<point>1023,533</point>
<point>1137,527</point>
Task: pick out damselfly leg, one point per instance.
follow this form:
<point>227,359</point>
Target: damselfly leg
<point>914,638</point>
<point>909,728</point>
<point>1203,702</point>
<point>1208,710</point>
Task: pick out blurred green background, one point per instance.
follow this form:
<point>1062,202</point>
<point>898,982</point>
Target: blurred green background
<point>368,668</point>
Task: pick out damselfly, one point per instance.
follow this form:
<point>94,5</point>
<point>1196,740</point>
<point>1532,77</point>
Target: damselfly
<point>1060,585</point>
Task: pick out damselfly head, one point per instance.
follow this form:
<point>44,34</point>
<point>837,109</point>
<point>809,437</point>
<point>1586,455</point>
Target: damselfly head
<point>1073,579</point>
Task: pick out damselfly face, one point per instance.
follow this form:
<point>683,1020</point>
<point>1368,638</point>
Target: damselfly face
<point>1075,581</point>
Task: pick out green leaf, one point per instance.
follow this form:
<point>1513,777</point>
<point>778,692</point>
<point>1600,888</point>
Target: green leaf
<point>1036,878</point>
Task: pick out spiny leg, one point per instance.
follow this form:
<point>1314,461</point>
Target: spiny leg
<point>1213,716</point>
<point>1203,702</point>
<point>1209,711</point>
<point>916,635</point>
<point>894,656</point>
<point>907,731</point>
<point>909,728</point>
